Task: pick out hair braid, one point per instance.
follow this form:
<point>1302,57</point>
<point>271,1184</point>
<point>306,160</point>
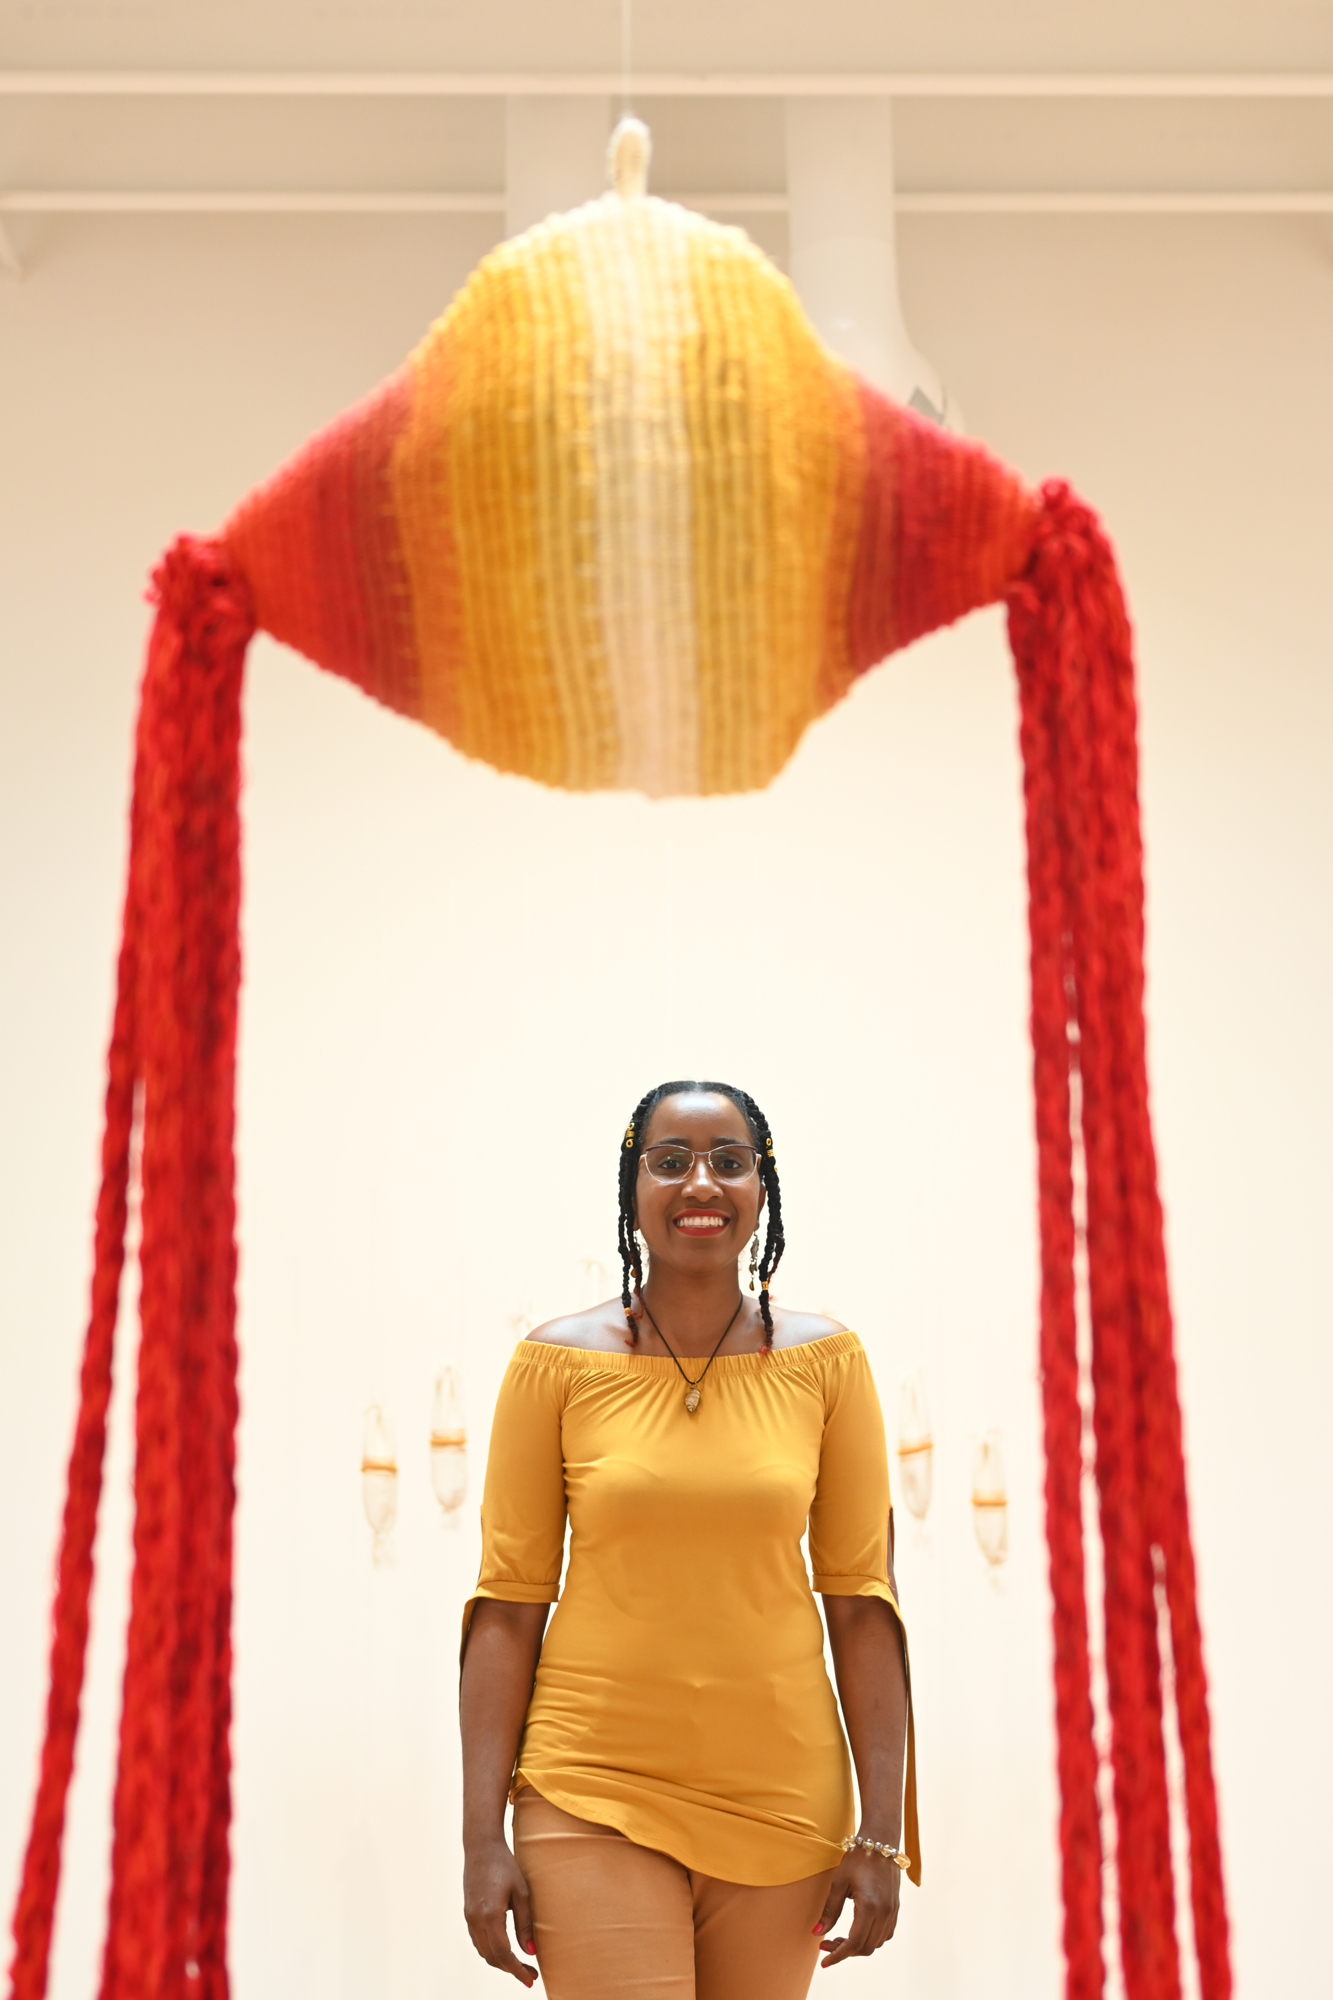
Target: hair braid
<point>775,1242</point>
<point>627,1242</point>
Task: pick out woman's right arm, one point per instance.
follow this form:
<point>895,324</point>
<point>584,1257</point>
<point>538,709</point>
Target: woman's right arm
<point>499,1666</point>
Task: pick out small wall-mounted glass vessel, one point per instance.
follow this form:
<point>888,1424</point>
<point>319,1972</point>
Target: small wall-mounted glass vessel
<point>448,1446</point>
<point>379,1482</point>
<point>990,1501</point>
<point>916,1449</point>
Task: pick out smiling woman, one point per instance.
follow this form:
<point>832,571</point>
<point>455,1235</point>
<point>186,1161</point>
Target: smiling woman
<point>684,1810</point>
<point>670,1161</point>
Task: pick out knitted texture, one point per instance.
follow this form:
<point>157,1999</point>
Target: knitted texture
<point>622,521</point>
<point>35,1909</point>
<point>1071,643</point>
<point>174,1044</point>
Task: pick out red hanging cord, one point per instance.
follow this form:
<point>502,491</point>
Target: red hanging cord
<point>175,1036</point>
<point>1160,1441</point>
<point>1071,642</point>
<point>35,1910</point>
<point>1080,1831</point>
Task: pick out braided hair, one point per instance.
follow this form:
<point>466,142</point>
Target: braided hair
<point>631,1149</point>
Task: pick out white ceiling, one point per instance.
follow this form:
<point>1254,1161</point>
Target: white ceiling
<point>456,144</point>
<point>715,34</point>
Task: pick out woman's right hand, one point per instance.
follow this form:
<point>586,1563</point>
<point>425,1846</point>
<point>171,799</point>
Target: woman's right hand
<point>499,1663</point>
<point>493,1885</point>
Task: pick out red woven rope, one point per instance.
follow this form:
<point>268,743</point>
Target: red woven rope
<point>35,1910</point>
<point>1159,1436</point>
<point>1072,645</point>
<point>176,1036</point>
<point>1080,1830</point>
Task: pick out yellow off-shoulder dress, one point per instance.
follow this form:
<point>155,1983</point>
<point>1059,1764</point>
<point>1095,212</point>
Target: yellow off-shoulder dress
<point>681,1694</point>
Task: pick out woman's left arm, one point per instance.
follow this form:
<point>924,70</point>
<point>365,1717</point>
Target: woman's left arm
<point>872,1686</point>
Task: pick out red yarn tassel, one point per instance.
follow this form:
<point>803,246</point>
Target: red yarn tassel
<point>1072,644</point>
<point>1080,1828</point>
<point>34,1913</point>
<point>176,1036</point>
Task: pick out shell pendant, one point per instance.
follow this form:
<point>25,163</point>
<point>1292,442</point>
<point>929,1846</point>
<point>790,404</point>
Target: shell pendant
<point>693,1397</point>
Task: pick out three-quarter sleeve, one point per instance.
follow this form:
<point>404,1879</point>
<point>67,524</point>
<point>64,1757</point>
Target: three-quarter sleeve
<point>523,1500</point>
<point>849,1516</point>
<point>849,1527</point>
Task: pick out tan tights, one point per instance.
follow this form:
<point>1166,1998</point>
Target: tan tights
<point>615,1921</point>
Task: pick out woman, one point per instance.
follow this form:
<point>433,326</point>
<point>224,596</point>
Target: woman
<point>683,1807</point>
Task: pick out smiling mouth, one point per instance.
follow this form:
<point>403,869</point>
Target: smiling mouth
<point>700,1225</point>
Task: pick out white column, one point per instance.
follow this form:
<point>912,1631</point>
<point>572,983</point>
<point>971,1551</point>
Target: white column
<point>555,156</point>
<point>843,254</point>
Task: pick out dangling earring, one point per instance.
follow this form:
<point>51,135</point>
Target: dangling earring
<point>754,1258</point>
<point>643,1256</point>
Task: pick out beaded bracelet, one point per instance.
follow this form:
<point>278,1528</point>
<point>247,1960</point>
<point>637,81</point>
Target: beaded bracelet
<point>877,1847</point>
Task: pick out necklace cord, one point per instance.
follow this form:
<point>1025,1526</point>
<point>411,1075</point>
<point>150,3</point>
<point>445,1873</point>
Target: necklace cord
<point>696,1380</point>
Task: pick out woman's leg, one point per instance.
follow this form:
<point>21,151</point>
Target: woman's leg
<point>613,1921</point>
<point>756,1944</point>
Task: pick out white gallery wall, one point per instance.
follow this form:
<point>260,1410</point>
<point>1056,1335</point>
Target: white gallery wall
<point>457,984</point>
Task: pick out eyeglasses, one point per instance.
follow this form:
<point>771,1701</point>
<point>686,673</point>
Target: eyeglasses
<point>728,1164</point>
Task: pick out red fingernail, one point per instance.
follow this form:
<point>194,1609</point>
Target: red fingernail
<point>530,1946</point>
<point>818,1931</point>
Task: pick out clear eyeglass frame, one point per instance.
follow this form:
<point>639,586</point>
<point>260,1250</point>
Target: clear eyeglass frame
<point>655,1157</point>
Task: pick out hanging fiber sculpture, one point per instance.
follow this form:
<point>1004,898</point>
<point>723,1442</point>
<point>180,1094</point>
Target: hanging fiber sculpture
<point>622,521</point>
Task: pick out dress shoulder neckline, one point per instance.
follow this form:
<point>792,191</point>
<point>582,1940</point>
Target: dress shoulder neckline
<point>551,1354</point>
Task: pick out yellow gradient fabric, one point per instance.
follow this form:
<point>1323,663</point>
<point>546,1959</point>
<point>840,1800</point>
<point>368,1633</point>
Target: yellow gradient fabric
<point>621,521</point>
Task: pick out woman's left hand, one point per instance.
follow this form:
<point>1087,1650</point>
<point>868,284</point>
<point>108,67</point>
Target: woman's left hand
<point>873,1884</point>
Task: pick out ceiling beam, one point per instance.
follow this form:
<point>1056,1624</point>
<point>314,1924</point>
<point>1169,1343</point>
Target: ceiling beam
<point>437,83</point>
<point>241,201</point>
<point>168,201</point>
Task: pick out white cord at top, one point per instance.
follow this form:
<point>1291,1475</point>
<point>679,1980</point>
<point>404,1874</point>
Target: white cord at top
<point>626,55</point>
